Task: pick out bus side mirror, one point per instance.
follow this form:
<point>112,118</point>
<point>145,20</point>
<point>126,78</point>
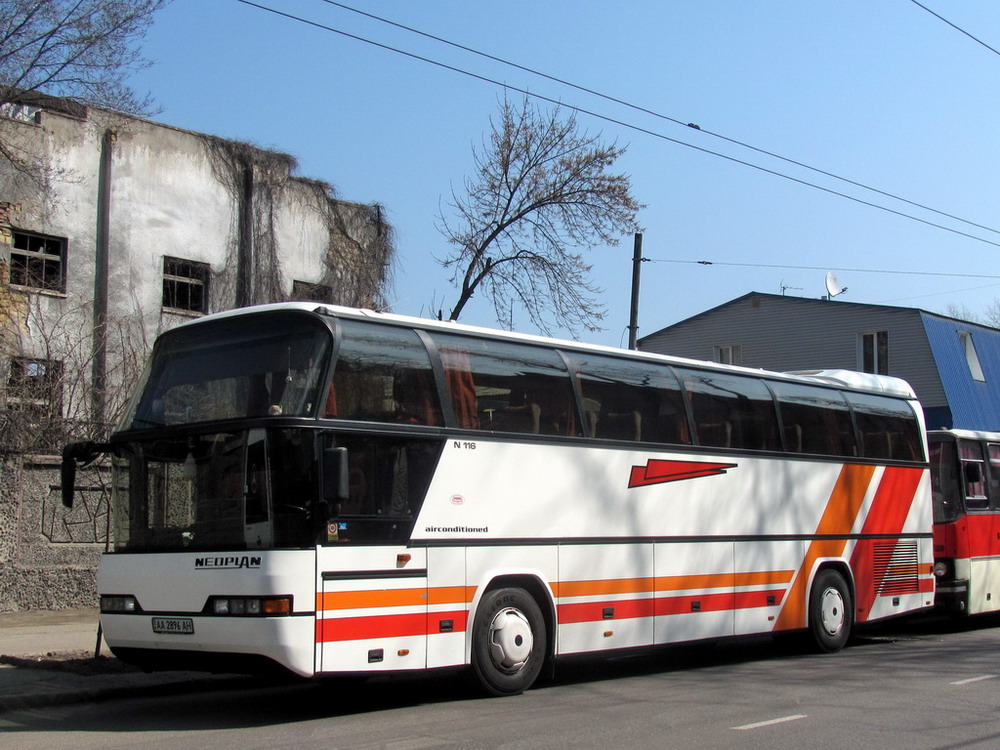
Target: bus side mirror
<point>85,453</point>
<point>336,488</point>
<point>67,476</point>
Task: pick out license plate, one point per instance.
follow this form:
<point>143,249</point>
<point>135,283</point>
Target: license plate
<point>173,625</point>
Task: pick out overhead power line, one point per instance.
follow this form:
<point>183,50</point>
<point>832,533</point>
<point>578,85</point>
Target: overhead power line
<point>957,28</point>
<point>659,115</point>
<point>623,124</point>
<point>785,266</point>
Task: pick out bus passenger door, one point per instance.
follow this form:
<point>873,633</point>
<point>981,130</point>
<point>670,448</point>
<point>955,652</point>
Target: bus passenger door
<point>372,603</point>
<point>977,536</point>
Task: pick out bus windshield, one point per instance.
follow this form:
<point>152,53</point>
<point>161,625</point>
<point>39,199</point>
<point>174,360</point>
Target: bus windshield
<point>244,489</point>
<point>231,369</point>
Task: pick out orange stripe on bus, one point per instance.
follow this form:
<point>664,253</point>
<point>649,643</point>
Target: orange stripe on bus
<point>451,594</point>
<point>838,519</point>
<point>602,587</point>
<point>334,600</point>
<point>723,580</point>
<point>702,581</point>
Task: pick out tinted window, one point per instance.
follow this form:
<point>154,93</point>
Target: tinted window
<point>993,455</point>
<point>973,475</point>
<point>255,366</point>
<point>815,420</point>
<point>887,428</point>
<point>627,400</point>
<point>382,374</point>
<point>731,411</point>
<point>505,387</point>
<point>944,482</point>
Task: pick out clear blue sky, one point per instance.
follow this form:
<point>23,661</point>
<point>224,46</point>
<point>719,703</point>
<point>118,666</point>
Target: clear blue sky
<point>878,91</point>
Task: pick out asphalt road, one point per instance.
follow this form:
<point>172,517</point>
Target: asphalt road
<point>928,684</point>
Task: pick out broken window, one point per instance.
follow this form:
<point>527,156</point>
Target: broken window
<point>37,261</point>
<point>35,385</point>
<point>303,291</point>
<point>185,285</point>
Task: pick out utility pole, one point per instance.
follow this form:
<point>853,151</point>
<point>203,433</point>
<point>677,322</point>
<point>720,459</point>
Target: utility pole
<point>637,259</point>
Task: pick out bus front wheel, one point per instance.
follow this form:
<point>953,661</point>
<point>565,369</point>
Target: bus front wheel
<point>831,611</point>
<point>508,641</point>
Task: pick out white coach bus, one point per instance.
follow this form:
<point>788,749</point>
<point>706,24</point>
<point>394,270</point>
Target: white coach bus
<point>340,491</point>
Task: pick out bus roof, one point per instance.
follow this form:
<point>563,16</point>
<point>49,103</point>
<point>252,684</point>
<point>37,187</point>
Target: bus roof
<point>847,379</point>
<point>993,437</point>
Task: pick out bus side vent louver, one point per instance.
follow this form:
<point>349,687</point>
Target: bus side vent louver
<point>896,568</point>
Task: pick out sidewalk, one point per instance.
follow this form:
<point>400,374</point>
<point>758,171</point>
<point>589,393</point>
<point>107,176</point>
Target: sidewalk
<point>48,658</point>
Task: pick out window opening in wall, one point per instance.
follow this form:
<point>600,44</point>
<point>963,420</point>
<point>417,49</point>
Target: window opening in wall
<point>185,285</point>
<point>35,385</point>
<point>37,261</point>
<point>731,354</point>
<point>971,357</point>
<point>303,291</point>
<point>20,112</point>
<point>875,352</point>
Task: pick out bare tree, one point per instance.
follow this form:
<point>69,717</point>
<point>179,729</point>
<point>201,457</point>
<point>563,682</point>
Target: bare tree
<point>80,49</point>
<point>992,314</point>
<point>49,355</point>
<point>541,193</point>
<point>961,312</point>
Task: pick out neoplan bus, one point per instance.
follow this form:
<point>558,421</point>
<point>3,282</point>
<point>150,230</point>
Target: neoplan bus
<point>965,481</point>
<point>337,491</point>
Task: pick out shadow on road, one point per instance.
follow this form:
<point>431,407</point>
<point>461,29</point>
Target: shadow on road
<point>901,645</point>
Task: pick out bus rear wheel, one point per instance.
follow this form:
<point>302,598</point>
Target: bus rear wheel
<point>831,611</point>
<point>508,642</point>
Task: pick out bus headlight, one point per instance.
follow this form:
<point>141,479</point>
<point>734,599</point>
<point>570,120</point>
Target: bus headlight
<point>942,569</point>
<point>118,604</point>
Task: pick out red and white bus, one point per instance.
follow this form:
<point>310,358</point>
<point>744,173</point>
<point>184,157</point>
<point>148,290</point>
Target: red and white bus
<point>340,491</point>
<point>965,482</point>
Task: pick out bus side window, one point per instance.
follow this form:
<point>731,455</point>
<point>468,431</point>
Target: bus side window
<point>945,494</point>
<point>973,475</point>
<point>815,420</point>
<point>382,374</point>
<point>628,400</point>
<point>732,411</point>
<point>505,387</point>
<point>993,454</point>
<point>887,427</point>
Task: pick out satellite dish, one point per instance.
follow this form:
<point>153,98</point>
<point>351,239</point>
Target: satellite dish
<point>833,287</point>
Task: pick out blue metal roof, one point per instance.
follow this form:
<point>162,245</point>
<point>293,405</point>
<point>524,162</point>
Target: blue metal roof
<point>974,405</point>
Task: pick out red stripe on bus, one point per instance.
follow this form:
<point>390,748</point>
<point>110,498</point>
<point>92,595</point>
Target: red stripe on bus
<point>388,626</point>
<point>890,507</point>
<point>667,605</point>
<point>973,535</point>
<point>838,519</point>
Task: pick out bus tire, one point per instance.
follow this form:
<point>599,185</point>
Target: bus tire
<point>831,611</point>
<point>508,642</point>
